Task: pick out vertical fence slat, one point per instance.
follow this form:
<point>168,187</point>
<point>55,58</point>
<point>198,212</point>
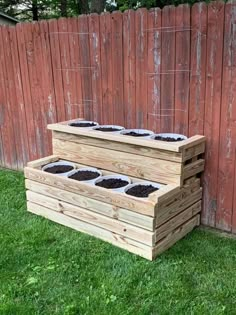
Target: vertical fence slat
<point>182,61</point>
<point>86,69</point>
<point>106,61</point>
<point>227,148</point>
<point>7,121</point>
<point>95,59</point>
<point>141,68</point>
<point>129,67</point>
<point>167,69</point>
<point>198,66</point>
<point>56,66</point>
<point>215,27</point>
<point>117,68</point>
<point>154,69</point>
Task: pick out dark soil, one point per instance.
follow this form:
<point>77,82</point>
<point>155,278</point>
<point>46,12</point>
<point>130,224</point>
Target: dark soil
<point>168,139</point>
<point>105,129</point>
<point>112,183</point>
<point>59,169</point>
<point>136,134</point>
<point>83,124</point>
<point>84,175</point>
<point>141,190</point>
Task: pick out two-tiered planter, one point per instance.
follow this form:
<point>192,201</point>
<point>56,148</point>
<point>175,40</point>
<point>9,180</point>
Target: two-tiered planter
<point>144,226</point>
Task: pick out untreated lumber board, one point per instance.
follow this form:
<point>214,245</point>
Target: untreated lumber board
<point>113,225</point>
<point>113,238</point>
<point>175,236</point>
<point>193,168</point>
<point>41,162</point>
<point>104,208</point>
<point>130,164</point>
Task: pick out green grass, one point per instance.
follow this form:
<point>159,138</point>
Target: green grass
<point>49,269</point>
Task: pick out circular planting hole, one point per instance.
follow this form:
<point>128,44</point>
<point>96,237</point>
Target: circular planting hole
<point>112,183</point>
<point>169,137</point>
<point>141,191</point>
<point>108,128</point>
<point>84,175</point>
<point>83,124</point>
<point>58,169</point>
<point>137,132</point>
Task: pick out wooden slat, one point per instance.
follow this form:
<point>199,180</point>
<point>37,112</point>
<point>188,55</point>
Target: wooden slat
<point>95,60</point>
<point>125,163</point>
<point>113,238</point>
<point>154,69</point>
<point>213,109</point>
<point>193,168</point>
<point>103,208</point>
<point>123,147</point>
<point>227,149</point>
<point>121,200</point>
<point>43,161</point>
<point>117,69</point>
<point>141,67</point>
<point>182,67</point>
<point>129,68</point>
<point>178,220</point>
<point>167,69</point>
<point>175,236</point>
<point>198,68</point>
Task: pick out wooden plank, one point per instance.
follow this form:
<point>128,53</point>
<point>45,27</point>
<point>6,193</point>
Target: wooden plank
<point>134,149</point>
<point>154,69</point>
<point>117,69</point>
<point>130,164</point>
<point>165,213</point>
<point>113,225</point>
<point>178,220</point>
<point>56,69</point>
<point>113,238</point>
<point>129,68</point>
<point>95,60</point>
<point>198,68</point>
<point>121,200</point>
<point>193,168</point>
<point>215,33</point>
<point>169,146</point>
<point>175,236</point>
<point>182,68</point>
<point>195,151</point>
<point>167,69</point>
<point>106,62</point>
<point>103,208</point>
<point>227,148</point>
<point>86,68</point>
<point>141,67</point>
<point>43,161</point>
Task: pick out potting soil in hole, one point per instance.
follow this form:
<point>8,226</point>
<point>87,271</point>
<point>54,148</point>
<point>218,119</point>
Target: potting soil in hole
<point>84,175</point>
<point>112,183</point>
<point>107,129</point>
<point>168,139</point>
<point>141,190</point>
<point>136,134</point>
<point>58,169</point>
<point>81,124</point>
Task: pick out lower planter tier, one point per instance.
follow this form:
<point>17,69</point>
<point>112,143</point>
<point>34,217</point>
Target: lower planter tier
<point>144,226</point>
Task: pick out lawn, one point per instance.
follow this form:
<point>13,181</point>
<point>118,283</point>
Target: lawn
<point>48,269</point>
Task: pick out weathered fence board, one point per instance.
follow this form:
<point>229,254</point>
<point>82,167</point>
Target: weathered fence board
<point>165,70</point>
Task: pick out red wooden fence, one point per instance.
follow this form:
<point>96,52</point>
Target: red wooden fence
<point>166,70</point>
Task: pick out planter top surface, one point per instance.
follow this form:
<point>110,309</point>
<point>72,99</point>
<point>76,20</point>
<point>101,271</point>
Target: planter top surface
<point>150,143</point>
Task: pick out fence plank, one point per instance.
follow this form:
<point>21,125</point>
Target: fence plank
<point>213,108</point>
<point>227,148</point>
<point>182,61</point>
<point>141,68</point>
<point>95,59</point>
<point>154,69</point>
<point>129,68</point>
<point>117,68</point>
<point>198,66</point>
<point>167,69</point>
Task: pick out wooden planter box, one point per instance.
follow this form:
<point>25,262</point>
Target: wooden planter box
<point>144,226</point>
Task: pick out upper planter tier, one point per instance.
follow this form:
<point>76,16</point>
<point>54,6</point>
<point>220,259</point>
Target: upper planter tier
<point>148,159</point>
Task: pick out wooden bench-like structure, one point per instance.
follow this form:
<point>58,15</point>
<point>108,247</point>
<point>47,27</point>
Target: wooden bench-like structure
<point>144,226</point>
